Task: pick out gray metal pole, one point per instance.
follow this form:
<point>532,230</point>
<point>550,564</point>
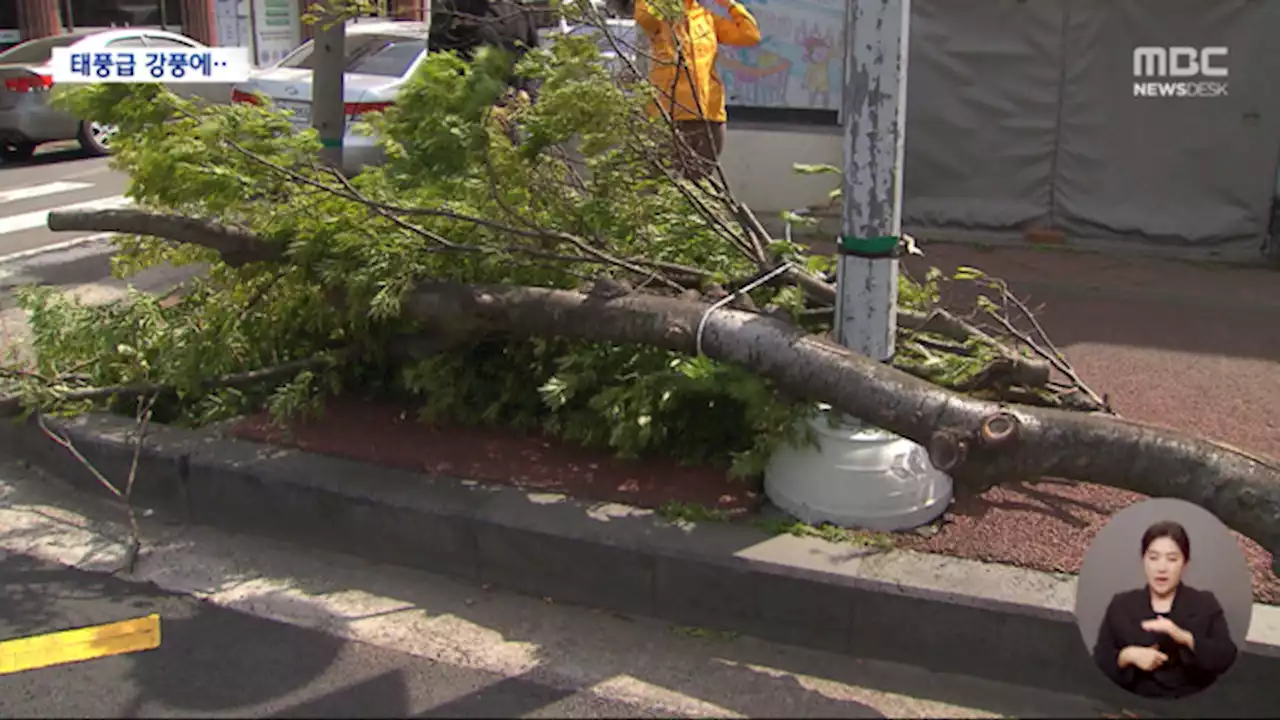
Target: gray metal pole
<point>874,110</point>
<point>859,475</point>
<point>328,116</point>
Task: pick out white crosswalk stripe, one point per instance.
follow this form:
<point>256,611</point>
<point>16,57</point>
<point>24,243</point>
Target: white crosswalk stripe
<point>53,188</point>
<point>38,218</point>
<point>23,231</point>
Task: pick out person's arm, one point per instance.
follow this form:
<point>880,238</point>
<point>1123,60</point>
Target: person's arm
<point>1106,651</point>
<point>739,29</point>
<point>646,19</point>
<point>1212,651</point>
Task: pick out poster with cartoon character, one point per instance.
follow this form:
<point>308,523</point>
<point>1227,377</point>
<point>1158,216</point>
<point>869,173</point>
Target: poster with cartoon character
<point>799,61</point>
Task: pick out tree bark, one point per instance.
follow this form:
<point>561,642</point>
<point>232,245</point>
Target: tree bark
<point>237,246</point>
<point>979,443</point>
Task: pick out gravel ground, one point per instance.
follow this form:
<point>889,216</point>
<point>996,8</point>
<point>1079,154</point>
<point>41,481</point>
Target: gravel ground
<point>1195,347</point>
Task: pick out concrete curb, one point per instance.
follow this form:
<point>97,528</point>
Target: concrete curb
<point>943,614</point>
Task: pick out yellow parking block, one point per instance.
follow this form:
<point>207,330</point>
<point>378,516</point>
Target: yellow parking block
<point>87,643</point>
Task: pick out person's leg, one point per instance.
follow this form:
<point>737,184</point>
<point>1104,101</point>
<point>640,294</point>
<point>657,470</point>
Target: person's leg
<point>717,140</point>
<point>701,147</point>
<point>686,148</point>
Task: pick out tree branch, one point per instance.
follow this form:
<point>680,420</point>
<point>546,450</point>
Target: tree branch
<point>236,245</point>
<point>246,248</point>
<point>12,405</point>
<point>240,247</point>
<point>977,441</point>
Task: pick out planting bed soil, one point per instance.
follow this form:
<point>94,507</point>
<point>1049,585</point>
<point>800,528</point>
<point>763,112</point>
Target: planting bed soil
<point>1045,525</point>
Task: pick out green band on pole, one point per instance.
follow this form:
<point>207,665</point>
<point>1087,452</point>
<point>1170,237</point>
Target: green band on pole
<point>331,142</point>
<point>883,246</point>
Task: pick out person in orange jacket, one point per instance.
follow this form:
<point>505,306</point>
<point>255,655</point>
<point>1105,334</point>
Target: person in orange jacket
<point>684,72</point>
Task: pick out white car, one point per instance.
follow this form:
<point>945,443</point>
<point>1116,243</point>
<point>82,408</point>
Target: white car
<point>380,57</point>
<point>26,118</point>
<point>624,38</point>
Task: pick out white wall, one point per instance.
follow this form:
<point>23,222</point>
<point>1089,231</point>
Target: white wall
<point>758,158</point>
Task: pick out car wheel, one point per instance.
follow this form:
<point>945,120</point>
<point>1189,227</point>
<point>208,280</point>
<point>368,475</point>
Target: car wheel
<point>17,152</point>
<point>95,137</point>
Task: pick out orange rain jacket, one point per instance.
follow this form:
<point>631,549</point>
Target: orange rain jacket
<point>700,33</point>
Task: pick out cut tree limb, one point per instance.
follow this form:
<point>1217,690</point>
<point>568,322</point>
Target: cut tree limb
<point>237,246</point>
<point>978,442</point>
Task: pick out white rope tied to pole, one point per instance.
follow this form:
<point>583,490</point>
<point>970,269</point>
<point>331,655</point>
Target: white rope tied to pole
<point>706,314</point>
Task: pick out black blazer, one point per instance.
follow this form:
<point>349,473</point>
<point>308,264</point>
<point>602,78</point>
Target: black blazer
<point>463,26</point>
<point>1185,672</point>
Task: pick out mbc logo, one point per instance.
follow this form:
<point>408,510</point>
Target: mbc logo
<point>1179,62</point>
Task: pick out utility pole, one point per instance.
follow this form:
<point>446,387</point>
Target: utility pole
<point>861,475</point>
<point>874,107</point>
<point>328,115</point>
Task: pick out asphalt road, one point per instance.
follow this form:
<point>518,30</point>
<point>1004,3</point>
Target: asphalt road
<point>59,176</point>
<point>213,661</point>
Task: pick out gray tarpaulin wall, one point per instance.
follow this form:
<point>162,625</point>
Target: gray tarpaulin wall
<point>1021,115</point>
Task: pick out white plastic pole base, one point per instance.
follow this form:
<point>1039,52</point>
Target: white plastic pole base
<point>858,477</point>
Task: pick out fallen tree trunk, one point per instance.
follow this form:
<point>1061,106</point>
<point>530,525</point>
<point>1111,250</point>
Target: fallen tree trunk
<point>975,440</point>
<point>978,442</point>
<point>238,246</point>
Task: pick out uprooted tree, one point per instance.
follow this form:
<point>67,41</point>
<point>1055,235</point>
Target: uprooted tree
<point>564,281</point>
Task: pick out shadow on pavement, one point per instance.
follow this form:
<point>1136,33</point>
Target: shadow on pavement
<point>210,659</point>
<point>214,660</point>
<point>52,156</point>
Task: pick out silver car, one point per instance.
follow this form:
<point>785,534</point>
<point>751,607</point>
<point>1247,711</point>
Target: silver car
<point>26,118</point>
<point>380,57</point>
<point>622,36</point>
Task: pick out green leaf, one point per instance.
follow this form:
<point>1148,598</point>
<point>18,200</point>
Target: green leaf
<point>815,169</point>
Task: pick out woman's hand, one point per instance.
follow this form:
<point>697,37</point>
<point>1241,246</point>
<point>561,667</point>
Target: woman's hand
<point>1165,626</point>
<point>1143,658</point>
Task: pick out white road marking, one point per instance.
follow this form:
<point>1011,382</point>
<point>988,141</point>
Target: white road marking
<point>53,188</point>
<point>40,218</point>
<point>55,247</point>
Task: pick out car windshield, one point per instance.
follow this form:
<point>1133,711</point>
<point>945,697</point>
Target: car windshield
<point>39,51</point>
<point>384,55</point>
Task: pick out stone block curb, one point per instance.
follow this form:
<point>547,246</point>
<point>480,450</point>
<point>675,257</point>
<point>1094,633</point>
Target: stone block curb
<point>947,615</point>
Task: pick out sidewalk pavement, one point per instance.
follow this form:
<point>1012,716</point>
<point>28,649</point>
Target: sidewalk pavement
<point>517,640</point>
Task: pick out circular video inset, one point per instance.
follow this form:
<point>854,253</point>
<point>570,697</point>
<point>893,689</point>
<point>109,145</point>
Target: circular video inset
<point>1164,599</point>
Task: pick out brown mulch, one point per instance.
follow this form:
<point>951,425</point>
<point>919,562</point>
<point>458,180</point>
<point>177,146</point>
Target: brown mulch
<point>1173,343</point>
<point>1048,525</point>
<point>1044,525</point>
<point>388,433</point>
